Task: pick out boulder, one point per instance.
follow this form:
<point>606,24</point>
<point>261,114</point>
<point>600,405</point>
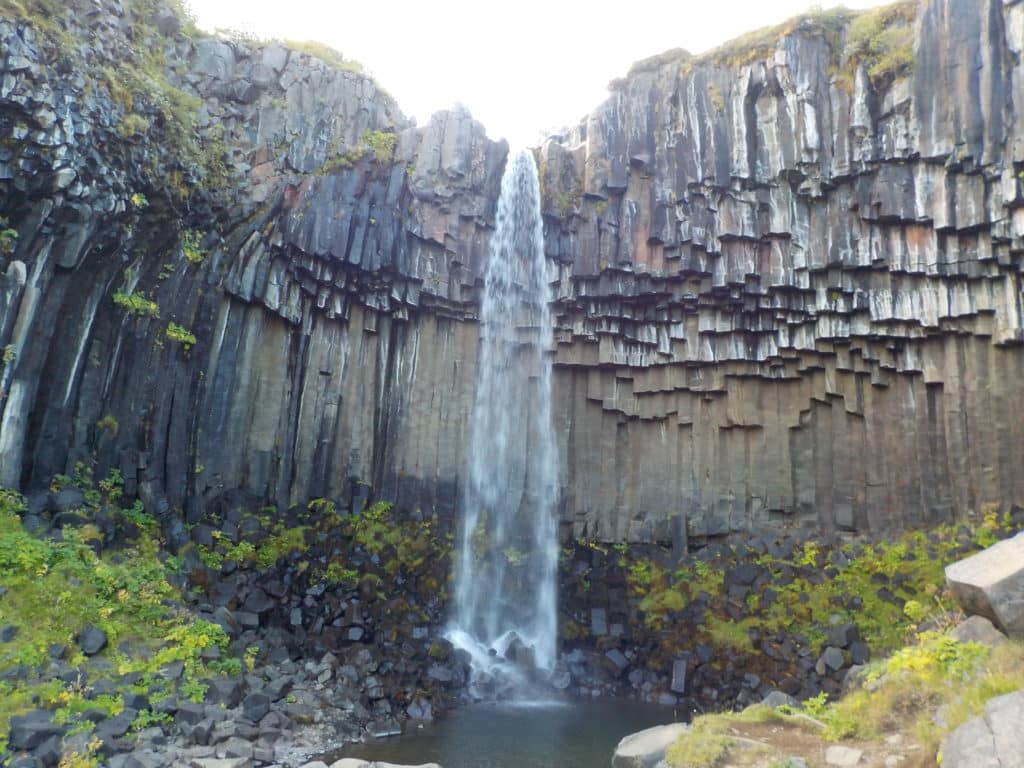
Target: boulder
<point>776,699</point>
<point>67,499</point>
<point>92,640</point>
<point>384,727</point>
<point>189,713</point>
<point>420,709</point>
<point>646,748</point>
<point>978,629</point>
<point>31,730</point>
<point>618,661</point>
<point>991,584</point>
<point>992,740</point>
<point>235,747</point>
<point>226,691</point>
<point>561,677</point>
<point>860,653</point>
<point>48,753</point>
<point>970,746</point>
<point>116,726</point>
<point>831,660</point>
<point>440,673</point>
<point>258,602</point>
<point>843,635</point>
<point>255,706</point>
<point>743,574</point>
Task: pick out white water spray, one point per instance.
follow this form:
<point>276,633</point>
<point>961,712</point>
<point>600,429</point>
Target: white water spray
<point>506,592</point>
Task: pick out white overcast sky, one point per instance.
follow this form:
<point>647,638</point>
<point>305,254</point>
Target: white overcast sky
<point>522,68</point>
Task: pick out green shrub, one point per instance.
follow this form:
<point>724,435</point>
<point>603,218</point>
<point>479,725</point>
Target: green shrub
<point>112,485</point>
<point>191,248</point>
<point>882,39</point>
<point>133,124</point>
<point>181,335</point>
<point>136,304</point>
<point>147,718</point>
<point>109,424</point>
<point>8,237</point>
<point>337,575</point>
<point>382,144</point>
<point>726,634</point>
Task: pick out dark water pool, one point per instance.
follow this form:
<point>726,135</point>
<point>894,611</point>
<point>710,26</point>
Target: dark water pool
<point>576,735</point>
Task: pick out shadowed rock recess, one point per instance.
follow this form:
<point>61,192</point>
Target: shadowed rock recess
<point>788,283</point>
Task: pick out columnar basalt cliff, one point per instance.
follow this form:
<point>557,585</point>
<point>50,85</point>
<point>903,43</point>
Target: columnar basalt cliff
<point>788,276</point>
<point>794,283</point>
<point>321,250</point>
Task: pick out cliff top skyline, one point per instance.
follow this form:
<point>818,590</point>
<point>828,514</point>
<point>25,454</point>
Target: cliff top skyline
<point>509,71</point>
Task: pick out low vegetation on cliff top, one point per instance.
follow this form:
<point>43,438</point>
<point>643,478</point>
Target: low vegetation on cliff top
<point>132,83</point>
<point>880,39</point>
<point>329,56</point>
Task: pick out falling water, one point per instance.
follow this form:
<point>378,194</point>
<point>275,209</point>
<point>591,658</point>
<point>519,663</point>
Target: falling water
<point>505,600</point>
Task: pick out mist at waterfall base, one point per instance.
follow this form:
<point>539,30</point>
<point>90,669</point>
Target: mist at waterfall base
<point>505,609</point>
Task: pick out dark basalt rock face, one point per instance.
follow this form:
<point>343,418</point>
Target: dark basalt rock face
<point>327,306</point>
<point>779,299</point>
<point>787,299</point>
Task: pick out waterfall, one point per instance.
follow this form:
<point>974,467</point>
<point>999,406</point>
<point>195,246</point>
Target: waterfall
<point>506,592</point>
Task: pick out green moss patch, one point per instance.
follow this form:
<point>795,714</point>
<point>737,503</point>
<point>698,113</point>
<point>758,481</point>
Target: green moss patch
<point>55,588</point>
<point>886,589</point>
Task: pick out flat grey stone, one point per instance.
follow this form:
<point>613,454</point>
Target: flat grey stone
<point>843,757</point>
<point>1005,718</point>
<point>970,746</point>
<point>646,748</point>
<point>221,762</point>
<point>776,699</point>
